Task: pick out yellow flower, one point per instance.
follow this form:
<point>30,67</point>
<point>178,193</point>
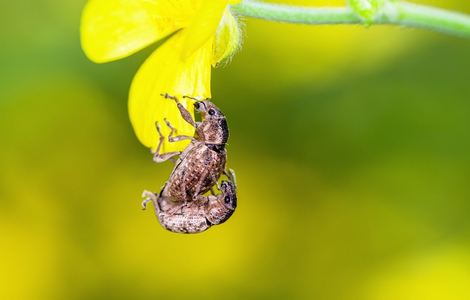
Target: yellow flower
<point>203,33</point>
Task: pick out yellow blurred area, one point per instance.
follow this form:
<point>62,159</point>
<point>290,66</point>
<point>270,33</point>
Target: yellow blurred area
<point>350,144</point>
<point>442,274</point>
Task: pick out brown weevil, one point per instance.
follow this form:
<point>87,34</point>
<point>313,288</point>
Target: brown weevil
<point>200,165</point>
<point>198,215</point>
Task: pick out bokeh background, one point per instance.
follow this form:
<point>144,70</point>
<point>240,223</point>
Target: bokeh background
<point>351,146</point>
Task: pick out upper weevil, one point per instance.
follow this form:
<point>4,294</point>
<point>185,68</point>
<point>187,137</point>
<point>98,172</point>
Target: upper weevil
<point>203,161</point>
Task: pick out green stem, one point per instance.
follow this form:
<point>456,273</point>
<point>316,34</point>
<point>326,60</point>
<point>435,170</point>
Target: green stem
<point>394,13</point>
<point>433,18</point>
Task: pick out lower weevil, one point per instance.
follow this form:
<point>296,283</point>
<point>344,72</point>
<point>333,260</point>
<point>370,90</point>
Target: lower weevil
<point>198,215</point>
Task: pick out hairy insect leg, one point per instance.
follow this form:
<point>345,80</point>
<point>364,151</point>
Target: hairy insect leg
<point>157,157</point>
<point>177,138</point>
<point>230,173</point>
<point>162,204</point>
<point>149,197</point>
<point>199,183</point>
<point>168,96</point>
<point>183,111</point>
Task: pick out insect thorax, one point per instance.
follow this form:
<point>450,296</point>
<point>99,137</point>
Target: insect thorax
<point>213,131</point>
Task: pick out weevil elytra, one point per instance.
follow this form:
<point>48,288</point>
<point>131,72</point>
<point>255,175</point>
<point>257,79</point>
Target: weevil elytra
<point>198,215</point>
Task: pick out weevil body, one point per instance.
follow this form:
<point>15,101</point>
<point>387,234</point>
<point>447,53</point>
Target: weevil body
<point>198,215</point>
<point>203,161</point>
<point>195,172</point>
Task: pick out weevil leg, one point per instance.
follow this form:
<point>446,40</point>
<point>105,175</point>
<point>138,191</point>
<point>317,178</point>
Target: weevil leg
<point>157,157</point>
<point>199,183</point>
<point>161,137</point>
<point>183,111</point>
<point>186,115</point>
<point>168,96</point>
<point>149,197</point>
<point>230,173</point>
<point>215,180</point>
<point>177,138</point>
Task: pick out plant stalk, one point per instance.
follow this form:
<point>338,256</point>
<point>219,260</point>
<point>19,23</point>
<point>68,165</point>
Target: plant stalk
<point>393,13</point>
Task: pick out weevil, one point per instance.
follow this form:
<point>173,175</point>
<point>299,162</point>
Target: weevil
<point>198,215</point>
<point>202,162</point>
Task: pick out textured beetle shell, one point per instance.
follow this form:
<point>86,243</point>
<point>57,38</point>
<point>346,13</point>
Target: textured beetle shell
<point>195,172</point>
<point>188,218</point>
<point>213,131</point>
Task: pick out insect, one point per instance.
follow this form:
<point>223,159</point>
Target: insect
<point>198,215</point>
<point>200,165</point>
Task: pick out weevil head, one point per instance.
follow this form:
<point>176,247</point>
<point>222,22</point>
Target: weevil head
<point>222,207</point>
<point>208,110</point>
<point>229,194</point>
<point>213,128</point>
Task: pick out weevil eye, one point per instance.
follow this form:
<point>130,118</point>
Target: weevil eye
<point>211,112</point>
<point>197,105</point>
<point>227,199</point>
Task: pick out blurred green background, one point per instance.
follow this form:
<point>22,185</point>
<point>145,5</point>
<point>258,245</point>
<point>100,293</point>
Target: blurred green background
<point>351,147</point>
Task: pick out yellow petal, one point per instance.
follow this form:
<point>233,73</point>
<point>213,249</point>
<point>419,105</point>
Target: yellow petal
<point>113,29</point>
<point>166,72</point>
<point>204,24</point>
<point>227,38</point>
